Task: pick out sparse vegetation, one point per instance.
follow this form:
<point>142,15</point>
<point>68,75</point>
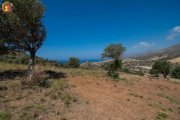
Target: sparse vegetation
<point>126,70</point>
<point>68,99</point>
<point>4,116</point>
<point>3,87</point>
<point>162,116</point>
<point>35,88</point>
<point>73,62</point>
<point>171,99</point>
<point>175,73</point>
<point>136,95</point>
<point>58,93</point>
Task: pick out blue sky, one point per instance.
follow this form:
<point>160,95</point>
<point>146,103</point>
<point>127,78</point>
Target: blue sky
<point>83,28</point>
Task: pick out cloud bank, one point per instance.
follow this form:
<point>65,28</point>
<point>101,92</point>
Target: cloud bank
<point>144,45</point>
<point>174,33</point>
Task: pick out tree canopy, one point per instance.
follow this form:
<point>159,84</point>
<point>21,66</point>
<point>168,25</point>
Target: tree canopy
<point>23,28</point>
<point>113,51</point>
<point>162,67</point>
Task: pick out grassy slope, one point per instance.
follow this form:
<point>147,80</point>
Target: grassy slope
<point>89,94</point>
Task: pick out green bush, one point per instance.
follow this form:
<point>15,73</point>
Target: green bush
<point>113,68</point>
<point>162,67</point>
<point>175,73</point>
<point>140,73</point>
<point>154,72</point>
<point>126,70</point>
<point>4,116</point>
<point>73,62</point>
<point>113,74</point>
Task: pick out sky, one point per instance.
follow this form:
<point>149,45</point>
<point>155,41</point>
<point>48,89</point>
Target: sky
<point>83,28</point>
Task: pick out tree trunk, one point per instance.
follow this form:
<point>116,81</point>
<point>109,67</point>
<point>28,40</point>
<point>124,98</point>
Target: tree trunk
<point>31,67</point>
<point>165,75</point>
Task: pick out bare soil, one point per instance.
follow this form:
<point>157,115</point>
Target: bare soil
<point>132,98</point>
<point>91,95</point>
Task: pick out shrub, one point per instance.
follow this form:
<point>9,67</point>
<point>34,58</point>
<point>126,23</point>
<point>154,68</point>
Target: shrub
<point>105,66</point>
<point>162,67</point>
<point>4,116</point>
<point>113,74</point>
<point>39,79</point>
<point>3,87</point>
<point>161,116</point>
<point>175,73</point>
<point>126,70</point>
<point>140,73</point>
<point>73,62</point>
<point>154,72</point>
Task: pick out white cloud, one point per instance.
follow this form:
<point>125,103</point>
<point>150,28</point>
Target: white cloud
<point>144,45</point>
<point>174,33</point>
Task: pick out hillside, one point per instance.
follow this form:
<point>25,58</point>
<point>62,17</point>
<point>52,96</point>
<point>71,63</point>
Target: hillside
<point>88,95</point>
<point>175,61</point>
<point>170,52</point>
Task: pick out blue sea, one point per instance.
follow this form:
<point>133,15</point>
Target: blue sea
<point>84,60</point>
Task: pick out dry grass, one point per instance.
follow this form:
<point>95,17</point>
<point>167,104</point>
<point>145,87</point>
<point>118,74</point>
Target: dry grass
<point>176,60</point>
<point>88,95</point>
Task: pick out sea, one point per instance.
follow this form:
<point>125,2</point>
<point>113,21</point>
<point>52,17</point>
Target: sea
<point>84,60</point>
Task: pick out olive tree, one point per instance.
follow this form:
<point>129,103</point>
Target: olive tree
<point>162,67</point>
<point>23,28</point>
<point>114,51</point>
<point>175,73</point>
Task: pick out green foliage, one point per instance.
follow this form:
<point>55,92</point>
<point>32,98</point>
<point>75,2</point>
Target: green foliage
<point>73,62</point>
<point>57,89</point>
<point>126,70</point>
<point>162,116</point>
<point>162,67</point>
<point>113,74</point>
<point>68,99</point>
<point>140,73</point>
<point>154,72</point>
<point>22,58</point>
<point>113,67</point>
<point>4,116</point>
<point>26,31</point>
<point>31,112</point>
<point>42,82</point>
<point>175,73</point>
<point>113,51</point>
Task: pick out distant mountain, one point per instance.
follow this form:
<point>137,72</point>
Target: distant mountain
<point>170,52</point>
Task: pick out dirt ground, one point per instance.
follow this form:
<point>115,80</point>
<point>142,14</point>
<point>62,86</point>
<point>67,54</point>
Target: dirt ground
<point>91,95</point>
<point>132,98</point>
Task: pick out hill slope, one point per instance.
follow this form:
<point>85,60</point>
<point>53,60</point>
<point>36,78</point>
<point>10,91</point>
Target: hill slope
<point>170,52</point>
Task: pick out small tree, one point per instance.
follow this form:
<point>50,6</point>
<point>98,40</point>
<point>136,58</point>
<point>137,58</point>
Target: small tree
<point>162,67</point>
<point>175,73</point>
<point>114,51</point>
<point>73,62</point>
<point>23,28</point>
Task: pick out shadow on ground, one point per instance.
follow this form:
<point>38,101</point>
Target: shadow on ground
<point>54,75</point>
<point>12,74</point>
